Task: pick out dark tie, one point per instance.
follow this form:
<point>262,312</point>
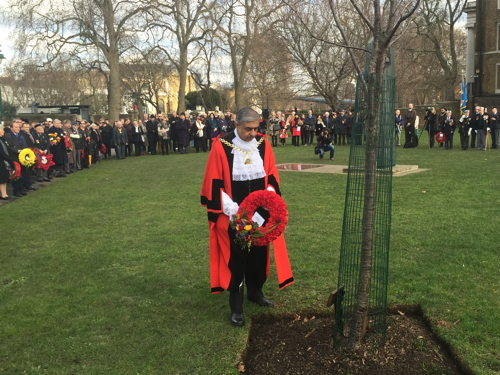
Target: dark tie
<point>20,139</point>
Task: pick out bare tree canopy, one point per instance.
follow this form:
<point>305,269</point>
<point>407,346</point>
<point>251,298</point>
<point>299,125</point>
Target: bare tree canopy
<point>102,30</point>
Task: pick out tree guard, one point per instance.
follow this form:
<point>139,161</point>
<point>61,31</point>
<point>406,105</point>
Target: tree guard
<point>360,310</point>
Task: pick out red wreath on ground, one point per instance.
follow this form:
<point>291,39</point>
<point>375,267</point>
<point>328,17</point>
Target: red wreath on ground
<point>278,214</point>
<point>440,137</point>
<point>45,161</point>
<point>15,172</point>
<point>103,149</point>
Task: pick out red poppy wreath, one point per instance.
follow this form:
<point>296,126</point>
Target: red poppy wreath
<point>247,230</point>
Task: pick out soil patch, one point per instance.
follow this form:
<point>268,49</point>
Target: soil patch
<point>303,344</point>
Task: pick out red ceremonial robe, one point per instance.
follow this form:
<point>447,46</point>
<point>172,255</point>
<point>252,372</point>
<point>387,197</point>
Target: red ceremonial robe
<point>218,179</point>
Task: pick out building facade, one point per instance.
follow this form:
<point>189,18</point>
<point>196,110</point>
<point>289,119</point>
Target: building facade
<point>483,53</point>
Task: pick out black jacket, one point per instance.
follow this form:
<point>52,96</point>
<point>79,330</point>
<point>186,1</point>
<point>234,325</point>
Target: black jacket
<point>41,141</point>
<point>13,142</point>
<point>152,129</point>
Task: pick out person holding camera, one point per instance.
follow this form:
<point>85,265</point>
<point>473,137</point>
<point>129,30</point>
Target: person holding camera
<point>325,144</point>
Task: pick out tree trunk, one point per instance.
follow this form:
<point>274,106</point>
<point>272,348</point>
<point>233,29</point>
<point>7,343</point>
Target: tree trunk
<point>114,88</point>
<point>374,109</point>
<point>183,68</point>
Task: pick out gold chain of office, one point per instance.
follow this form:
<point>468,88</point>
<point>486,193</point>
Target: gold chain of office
<point>247,159</point>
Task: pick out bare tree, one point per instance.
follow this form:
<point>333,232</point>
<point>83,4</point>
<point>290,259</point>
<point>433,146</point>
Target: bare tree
<point>144,78</point>
<point>437,21</point>
<point>240,22</point>
<point>58,83</point>
<point>319,51</point>
<point>271,80</point>
<point>181,21</point>
<point>105,26</point>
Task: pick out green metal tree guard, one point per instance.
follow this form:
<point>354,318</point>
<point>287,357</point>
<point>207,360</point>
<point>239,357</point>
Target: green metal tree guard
<point>372,157</point>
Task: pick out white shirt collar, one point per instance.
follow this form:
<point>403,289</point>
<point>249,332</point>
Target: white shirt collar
<point>242,171</point>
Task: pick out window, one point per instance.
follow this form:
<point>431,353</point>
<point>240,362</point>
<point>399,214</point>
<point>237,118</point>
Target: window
<point>498,6</point>
<point>498,36</point>
<point>497,79</point>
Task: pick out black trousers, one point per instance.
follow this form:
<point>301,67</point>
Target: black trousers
<point>152,147</point>
<point>275,140</point>
<point>473,139</point>
<point>303,136</point>
<point>26,177</point>
<point>129,148</point>
<point>448,144</point>
<point>164,146</point>
<point>249,265</point>
<point>108,150</point>
<point>464,141</point>
<point>138,148</point>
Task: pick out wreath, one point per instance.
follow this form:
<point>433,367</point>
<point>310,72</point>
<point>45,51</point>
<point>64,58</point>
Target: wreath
<point>45,161</point>
<point>440,137</point>
<point>15,173</point>
<point>27,157</point>
<point>102,149</point>
<point>248,231</point>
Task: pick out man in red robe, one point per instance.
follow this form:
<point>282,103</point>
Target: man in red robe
<point>240,163</point>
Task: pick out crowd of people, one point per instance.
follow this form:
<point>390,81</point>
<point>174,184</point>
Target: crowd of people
<point>442,126</point>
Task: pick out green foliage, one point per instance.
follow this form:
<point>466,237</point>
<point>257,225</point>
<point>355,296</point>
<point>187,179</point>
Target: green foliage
<point>9,111</point>
<point>207,99</point>
<point>106,271</point>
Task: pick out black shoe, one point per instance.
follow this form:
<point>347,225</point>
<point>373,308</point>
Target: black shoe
<point>19,195</point>
<point>39,179</point>
<point>61,175</point>
<point>24,192</point>
<point>32,188</point>
<point>261,301</point>
<point>5,198</point>
<point>237,319</point>
<point>46,179</point>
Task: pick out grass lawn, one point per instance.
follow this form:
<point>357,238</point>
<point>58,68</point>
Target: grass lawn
<point>106,271</point>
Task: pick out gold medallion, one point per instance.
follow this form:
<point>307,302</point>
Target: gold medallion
<point>247,160</point>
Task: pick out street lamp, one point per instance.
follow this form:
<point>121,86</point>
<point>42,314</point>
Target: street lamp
<point>1,103</point>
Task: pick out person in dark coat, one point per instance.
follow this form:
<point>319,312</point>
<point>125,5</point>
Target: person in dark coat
<point>173,129</point>
<point>464,129</point>
<point>106,135</point>
<point>481,125</point>
<point>127,125</point>
<point>473,121</point>
<point>494,127</point>
<point>42,143</point>
<point>6,163</point>
<point>183,130</point>
<point>95,136</point>
<point>409,126</point>
<point>136,139</point>
<point>431,125</point>
<point>449,130</point>
<point>120,140</point>
<point>152,129</point>
<point>199,135</point>
<point>58,149</point>
<point>14,140</point>
<point>342,121</point>
<point>85,153</point>
<point>78,143</point>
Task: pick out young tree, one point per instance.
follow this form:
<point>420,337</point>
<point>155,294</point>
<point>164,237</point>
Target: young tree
<point>384,18</point>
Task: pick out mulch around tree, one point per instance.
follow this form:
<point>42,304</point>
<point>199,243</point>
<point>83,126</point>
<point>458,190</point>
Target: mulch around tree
<point>303,344</point>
